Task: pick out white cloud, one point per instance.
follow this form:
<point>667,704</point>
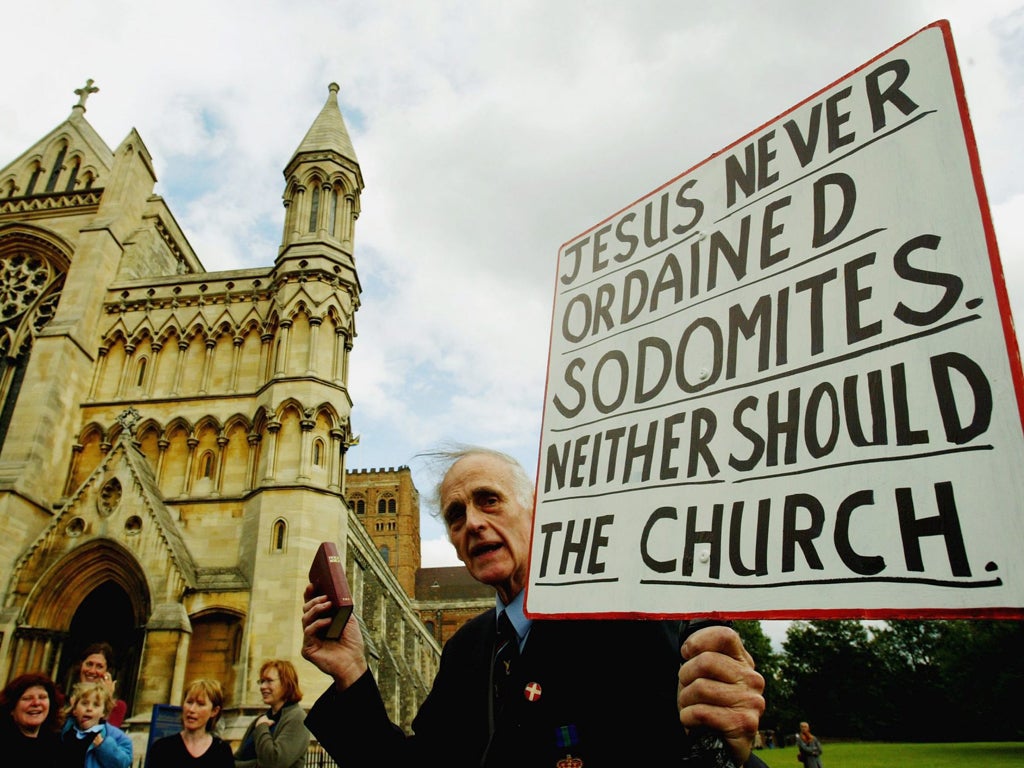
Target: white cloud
<point>436,553</point>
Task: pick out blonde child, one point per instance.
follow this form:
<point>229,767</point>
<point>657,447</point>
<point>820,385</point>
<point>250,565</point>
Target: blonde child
<point>87,740</point>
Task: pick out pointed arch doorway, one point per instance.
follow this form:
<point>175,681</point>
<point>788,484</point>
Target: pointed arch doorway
<point>105,615</point>
<point>97,592</point>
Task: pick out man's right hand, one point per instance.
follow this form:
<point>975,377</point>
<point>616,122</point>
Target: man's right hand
<point>343,659</point>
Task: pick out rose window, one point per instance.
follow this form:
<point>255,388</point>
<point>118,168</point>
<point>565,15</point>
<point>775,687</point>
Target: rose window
<point>23,277</point>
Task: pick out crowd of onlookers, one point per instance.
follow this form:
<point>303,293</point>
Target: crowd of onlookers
<point>43,728</point>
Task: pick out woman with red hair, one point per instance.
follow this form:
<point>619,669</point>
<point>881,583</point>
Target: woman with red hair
<point>278,738</point>
<point>30,721</point>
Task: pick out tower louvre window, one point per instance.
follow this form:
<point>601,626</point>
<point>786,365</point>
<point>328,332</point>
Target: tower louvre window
<point>334,213</point>
<point>314,208</point>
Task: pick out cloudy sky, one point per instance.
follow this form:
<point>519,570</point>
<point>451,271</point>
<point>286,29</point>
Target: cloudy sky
<point>488,134</point>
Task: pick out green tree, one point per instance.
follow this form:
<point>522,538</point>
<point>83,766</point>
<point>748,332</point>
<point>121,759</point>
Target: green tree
<point>982,669</point>
<point>914,703</point>
<point>908,680</point>
<point>834,675</point>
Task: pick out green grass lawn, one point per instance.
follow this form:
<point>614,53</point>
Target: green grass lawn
<point>865,754</point>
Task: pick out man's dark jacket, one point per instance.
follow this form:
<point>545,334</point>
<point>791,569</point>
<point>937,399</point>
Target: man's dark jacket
<point>607,696</point>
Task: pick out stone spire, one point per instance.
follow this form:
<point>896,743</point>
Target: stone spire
<point>323,183</point>
<point>328,132</point>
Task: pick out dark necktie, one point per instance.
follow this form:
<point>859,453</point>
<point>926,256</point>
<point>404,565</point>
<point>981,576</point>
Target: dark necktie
<point>506,651</point>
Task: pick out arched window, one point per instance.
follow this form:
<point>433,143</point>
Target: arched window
<point>392,506</point>
<point>360,506</point>
<point>142,372</point>
<point>279,536</point>
<point>382,506</point>
<point>76,163</point>
<point>206,464</point>
<point>58,166</point>
<point>36,171</point>
<point>314,208</point>
<point>333,212</point>
<point>318,452</point>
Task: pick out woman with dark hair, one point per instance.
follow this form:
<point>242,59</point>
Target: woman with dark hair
<point>195,745</point>
<point>278,738</point>
<point>30,721</point>
<point>94,666</point>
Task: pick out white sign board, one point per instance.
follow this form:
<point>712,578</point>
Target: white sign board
<point>786,383</point>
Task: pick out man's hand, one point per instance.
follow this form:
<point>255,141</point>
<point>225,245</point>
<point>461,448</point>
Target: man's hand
<point>719,689</point>
<point>343,659</point>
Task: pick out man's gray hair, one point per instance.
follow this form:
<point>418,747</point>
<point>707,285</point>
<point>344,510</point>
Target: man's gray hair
<point>442,459</point>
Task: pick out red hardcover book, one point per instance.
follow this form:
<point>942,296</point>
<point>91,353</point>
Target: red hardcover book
<point>327,575</point>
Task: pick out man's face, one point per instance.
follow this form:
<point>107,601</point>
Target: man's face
<point>487,524</point>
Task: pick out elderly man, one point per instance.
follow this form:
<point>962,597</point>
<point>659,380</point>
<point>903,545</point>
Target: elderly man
<point>556,692</point>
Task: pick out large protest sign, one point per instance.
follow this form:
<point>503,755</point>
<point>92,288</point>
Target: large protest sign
<point>786,383</point>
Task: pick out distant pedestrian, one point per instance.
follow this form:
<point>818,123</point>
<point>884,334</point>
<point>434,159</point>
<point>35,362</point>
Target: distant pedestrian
<point>809,747</point>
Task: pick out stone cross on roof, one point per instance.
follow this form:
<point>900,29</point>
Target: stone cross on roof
<point>84,92</point>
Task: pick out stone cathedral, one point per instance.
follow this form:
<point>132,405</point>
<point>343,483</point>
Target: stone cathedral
<point>173,441</point>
